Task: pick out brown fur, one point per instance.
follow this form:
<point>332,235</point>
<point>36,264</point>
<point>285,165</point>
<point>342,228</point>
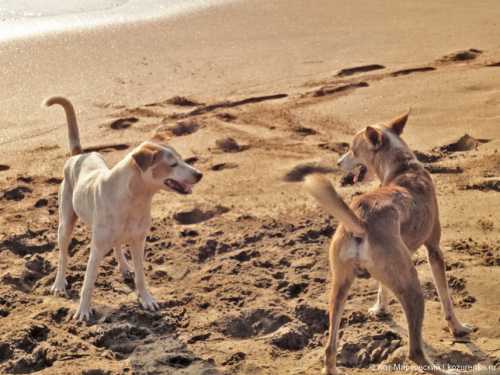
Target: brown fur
<point>397,218</point>
<point>145,156</point>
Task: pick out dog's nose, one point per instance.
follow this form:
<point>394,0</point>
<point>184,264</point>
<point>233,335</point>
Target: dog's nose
<point>198,176</point>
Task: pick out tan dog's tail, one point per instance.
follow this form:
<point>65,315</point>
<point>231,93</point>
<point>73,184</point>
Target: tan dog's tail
<point>74,136</point>
<point>321,189</point>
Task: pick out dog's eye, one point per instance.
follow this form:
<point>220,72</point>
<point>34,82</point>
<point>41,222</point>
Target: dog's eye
<point>174,165</point>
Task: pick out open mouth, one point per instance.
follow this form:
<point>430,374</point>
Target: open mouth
<point>358,174</point>
<point>179,187</point>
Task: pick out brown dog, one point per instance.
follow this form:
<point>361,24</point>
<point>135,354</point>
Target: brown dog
<point>381,230</point>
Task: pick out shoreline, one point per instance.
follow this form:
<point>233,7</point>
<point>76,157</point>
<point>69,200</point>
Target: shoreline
<point>25,28</point>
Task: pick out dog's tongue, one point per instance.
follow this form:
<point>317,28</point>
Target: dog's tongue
<point>355,176</point>
<point>187,188</point>
<point>359,173</point>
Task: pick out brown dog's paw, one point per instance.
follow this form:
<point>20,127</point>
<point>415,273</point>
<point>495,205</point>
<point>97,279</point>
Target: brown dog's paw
<point>463,330</point>
<point>335,371</point>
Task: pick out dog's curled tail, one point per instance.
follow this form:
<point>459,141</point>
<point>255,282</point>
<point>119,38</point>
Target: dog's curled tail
<point>321,189</point>
<point>74,135</point>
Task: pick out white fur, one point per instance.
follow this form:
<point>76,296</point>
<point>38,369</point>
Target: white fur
<point>115,203</point>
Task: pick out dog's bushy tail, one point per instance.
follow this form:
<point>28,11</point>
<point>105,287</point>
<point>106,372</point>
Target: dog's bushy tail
<point>74,135</point>
<point>321,189</point>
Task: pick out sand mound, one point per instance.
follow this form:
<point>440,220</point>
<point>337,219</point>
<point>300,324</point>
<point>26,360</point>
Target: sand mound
<point>464,143</point>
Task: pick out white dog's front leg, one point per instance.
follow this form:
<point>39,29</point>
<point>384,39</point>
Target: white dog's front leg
<point>145,298</point>
<point>96,255</point>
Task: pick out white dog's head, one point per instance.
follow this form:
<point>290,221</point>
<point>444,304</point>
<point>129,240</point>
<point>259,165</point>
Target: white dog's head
<point>161,167</point>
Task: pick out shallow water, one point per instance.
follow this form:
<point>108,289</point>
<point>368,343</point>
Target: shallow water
<point>25,18</point>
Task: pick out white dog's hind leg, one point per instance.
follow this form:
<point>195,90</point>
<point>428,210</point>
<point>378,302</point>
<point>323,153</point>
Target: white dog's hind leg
<point>145,298</point>
<point>122,263</point>
<point>380,307</point>
<point>67,220</point>
<point>96,255</point>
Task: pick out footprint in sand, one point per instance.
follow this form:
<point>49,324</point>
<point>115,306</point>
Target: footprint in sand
<point>17,194</point>
<point>252,323</point>
<point>359,69</point>
<point>197,215</point>
<point>182,101</point>
<point>192,160</point>
<point>222,166</point>
<point>123,123</point>
<point>338,147</point>
<point>329,90</point>
<point>107,148</point>
<point>441,169</point>
<point>185,127</point>
<point>304,131</point>
<point>485,184</point>
<point>229,144</point>
<point>404,72</point>
<point>53,180</point>
<point>427,157</point>
<point>225,116</point>
<point>461,56</point>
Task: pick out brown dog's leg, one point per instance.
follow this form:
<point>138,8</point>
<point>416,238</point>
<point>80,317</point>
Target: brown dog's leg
<point>343,277</point>
<point>436,261</point>
<point>402,279</point>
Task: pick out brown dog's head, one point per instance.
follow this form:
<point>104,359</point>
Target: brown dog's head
<point>161,167</point>
<point>375,149</point>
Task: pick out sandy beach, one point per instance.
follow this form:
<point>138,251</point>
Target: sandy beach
<point>240,266</point>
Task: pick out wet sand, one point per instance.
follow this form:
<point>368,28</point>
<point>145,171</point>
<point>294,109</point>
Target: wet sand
<point>240,267</point>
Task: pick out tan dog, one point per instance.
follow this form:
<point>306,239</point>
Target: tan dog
<point>115,203</point>
<point>379,232</point>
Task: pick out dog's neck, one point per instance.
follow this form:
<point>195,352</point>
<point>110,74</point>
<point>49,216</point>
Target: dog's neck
<point>390,164</point>
<point>128,175</point>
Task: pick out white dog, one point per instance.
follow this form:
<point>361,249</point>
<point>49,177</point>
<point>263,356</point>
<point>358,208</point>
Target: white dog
<point>115,203</point>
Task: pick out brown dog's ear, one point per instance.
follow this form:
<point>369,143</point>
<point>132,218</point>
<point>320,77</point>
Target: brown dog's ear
<point>398,124</point>
<point>374,137</point>
<point>145,158</point>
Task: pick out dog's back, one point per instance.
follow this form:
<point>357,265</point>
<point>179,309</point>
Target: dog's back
<point>408,202</point>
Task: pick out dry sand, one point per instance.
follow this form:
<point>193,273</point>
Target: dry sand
<point>240,267</point>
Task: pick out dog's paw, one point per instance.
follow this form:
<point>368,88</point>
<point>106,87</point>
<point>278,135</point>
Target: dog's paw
<point>83,314</point>
<point>148,302</point>
<point>59,288</point>
<point>334,371</point>
<point>462,330</point>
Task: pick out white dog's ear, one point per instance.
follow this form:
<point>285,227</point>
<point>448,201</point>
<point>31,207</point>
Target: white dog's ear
<point>374,137</point>
<point>398,124</point>
<point>144,158</point>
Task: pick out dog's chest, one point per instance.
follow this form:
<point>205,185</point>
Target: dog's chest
<point>136,224</point>
<point>129,226</point>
